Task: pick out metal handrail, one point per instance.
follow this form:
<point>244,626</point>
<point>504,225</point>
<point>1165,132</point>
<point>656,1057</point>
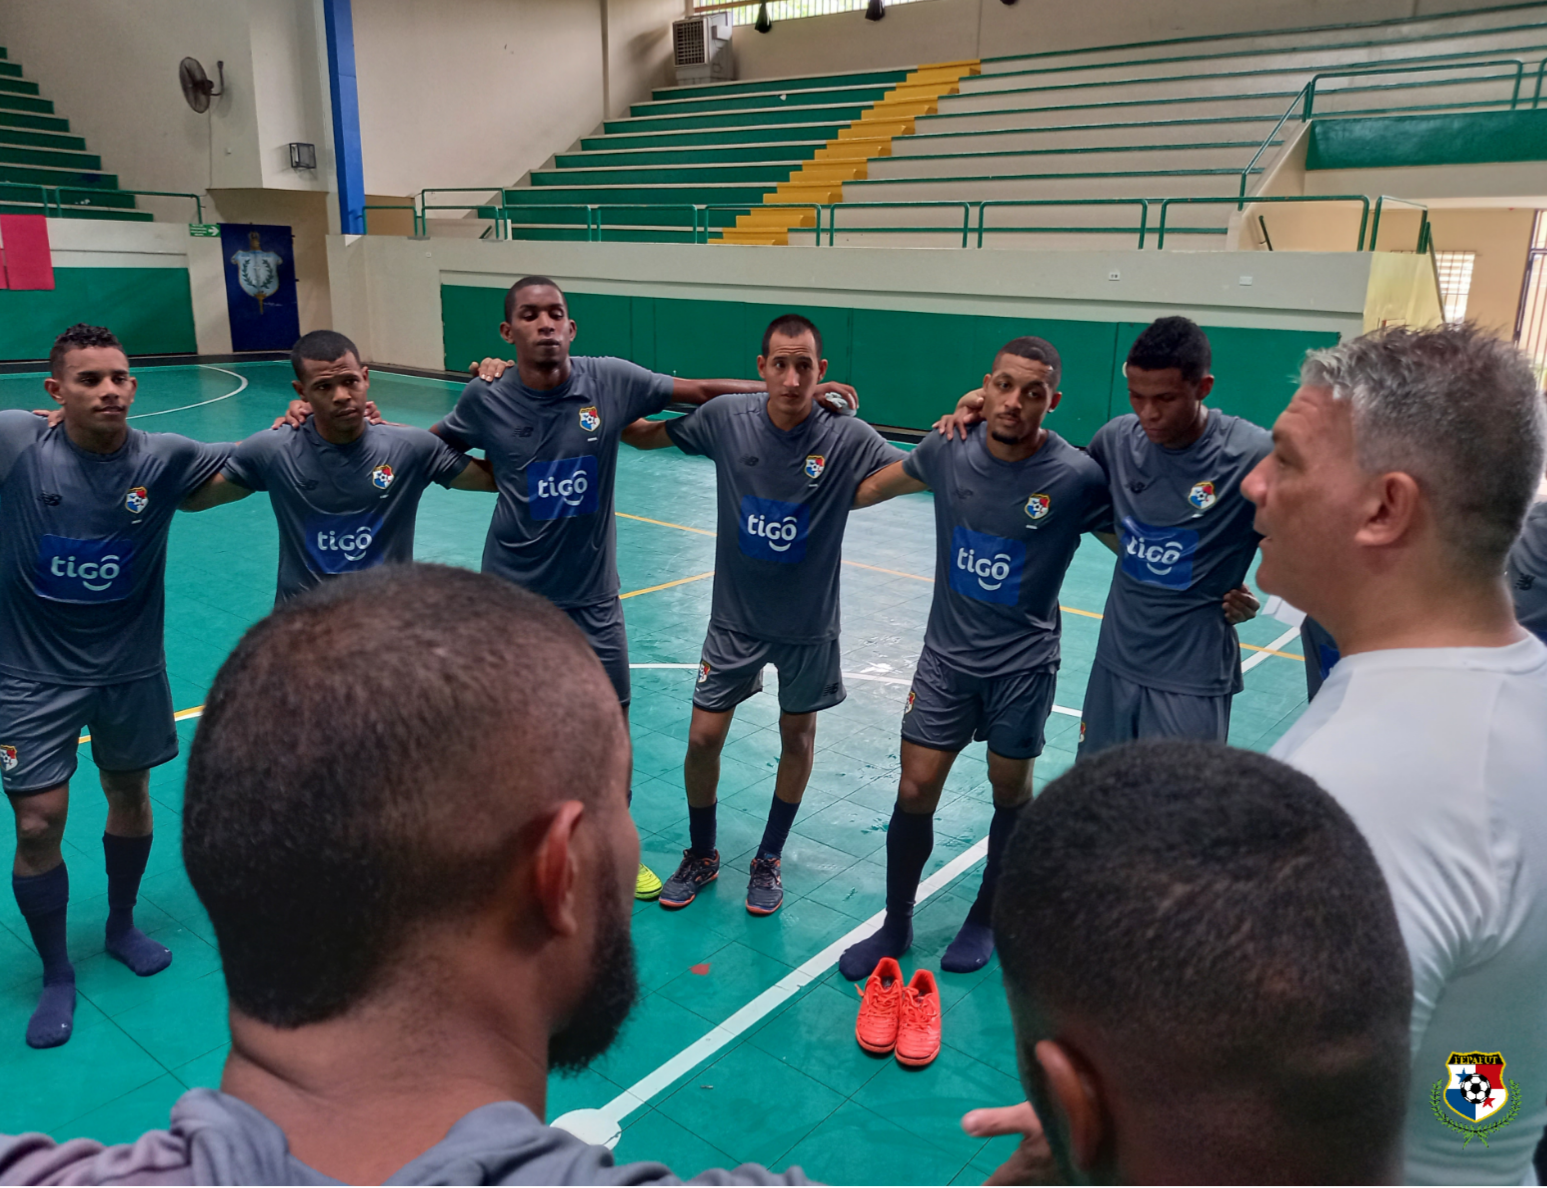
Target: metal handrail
<point>1305,98</point>
<point>1167,203</point>
<point>832,213</point>
<point>1424,235</point>
<point>1142,203</point>
<point>501,231</point>
<point>1536,95</point>
<point>59,203</point>
<point>595,209</point>
<point>423,204</point>
<point>705,208</point>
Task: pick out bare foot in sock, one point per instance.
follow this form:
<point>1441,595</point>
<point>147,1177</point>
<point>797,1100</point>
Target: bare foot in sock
<point>971,949</point>
<point>54,1019</point>
<point>860,960</point>
<point>136,950</point>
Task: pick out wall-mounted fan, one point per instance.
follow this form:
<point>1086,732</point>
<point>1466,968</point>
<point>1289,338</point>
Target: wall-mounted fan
<point>197,87</point>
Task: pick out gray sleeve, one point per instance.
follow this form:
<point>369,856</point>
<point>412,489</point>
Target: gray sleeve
<point>874,450</point>
<point>923,460</point>
<point>443,464</point>
<point>248,463</point>
<point>18,430</point>
<point>637,391</point>
<point>156,1157</point>
<point>463,425</point>
<point>1099,444</point>
<point>695,433</point>
<point>656,1173</point>
<point>201,461</point>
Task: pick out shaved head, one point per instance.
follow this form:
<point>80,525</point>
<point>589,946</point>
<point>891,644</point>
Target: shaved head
<point>368,760</point>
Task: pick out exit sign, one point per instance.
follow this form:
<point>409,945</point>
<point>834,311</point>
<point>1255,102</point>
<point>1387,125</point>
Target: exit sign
<point>205,230</point>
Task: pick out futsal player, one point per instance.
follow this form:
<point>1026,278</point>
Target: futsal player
<point>344,491</point>
<point>786,482</point>
<point>85,507</point>
<point>1011,501</point>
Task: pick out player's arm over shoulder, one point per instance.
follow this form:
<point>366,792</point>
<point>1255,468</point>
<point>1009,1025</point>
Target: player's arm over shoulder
<point>241,471</point>
<point>18,430</point>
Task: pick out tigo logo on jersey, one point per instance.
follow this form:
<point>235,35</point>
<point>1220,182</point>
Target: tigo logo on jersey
<point>562,488</point>
<point>7,757</point>
<point>1203,496</point>
<point>590,419</point>
<point>1158,556</point>
<point>815,464</point>
<point>1474,1089</point>
<point>703,671</point>
<point>382,476</point>
<point>773,531</point>
<point>69,570</point>
<point>343,544</point>
<point>986,567</point>
<point>1037,506</point>
<point>137,500</point>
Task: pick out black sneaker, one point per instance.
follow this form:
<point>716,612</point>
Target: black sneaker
<point>695,873</point>
<point>765,890</point>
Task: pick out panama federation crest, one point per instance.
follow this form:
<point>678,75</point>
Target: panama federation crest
<point>912,697</point>
<point>815,464</point>
<point>1203,495</point>
<point>1037,506</point>
<point>590,419</point>
<point>703,671</point>
<point>7,757</point>
<point>1475,1092</point>
<point>382,477</point>
<point>137,500</point>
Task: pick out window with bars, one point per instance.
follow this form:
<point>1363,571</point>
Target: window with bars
<point>1531,321</point>
<point>1455,269</point>
<point>788,10</point>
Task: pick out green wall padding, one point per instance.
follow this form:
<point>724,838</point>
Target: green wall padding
<point>1443,138</point>
<point>909,367</point>
<point>150,309</point>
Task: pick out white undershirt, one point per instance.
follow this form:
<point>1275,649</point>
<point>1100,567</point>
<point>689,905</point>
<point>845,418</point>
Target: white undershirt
<point>1440,757</point>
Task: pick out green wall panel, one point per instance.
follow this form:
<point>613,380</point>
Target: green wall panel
<point>1443,138</point>
<point>909,367</point>
<point>150,309</point>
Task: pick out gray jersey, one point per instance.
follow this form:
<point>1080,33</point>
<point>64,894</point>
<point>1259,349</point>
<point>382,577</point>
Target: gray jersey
<point>1187,539</point>
<point>784,499</point>
<point>342,507</point>
<point>216,1139</point>
<point>83,546</point>
<point>1528,572</point>
<point>1005,533</point>
<point>554,455</point>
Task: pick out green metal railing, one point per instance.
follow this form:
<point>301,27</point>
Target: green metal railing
<point>1364,217</point>
<point>1142,203</point>
<point>53,196</point>
<point>743,209</point>
<point>1425,233</point>
<point>832,215</point>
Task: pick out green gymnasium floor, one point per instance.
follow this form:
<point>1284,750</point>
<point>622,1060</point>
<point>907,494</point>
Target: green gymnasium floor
<point>780,1081</point>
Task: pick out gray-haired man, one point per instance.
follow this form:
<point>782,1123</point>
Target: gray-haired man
<point>1399,477</point>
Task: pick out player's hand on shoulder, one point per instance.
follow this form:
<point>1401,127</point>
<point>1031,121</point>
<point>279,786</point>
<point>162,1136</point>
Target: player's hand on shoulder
<point>836,397</point>
<point>373,414</point>
<point>490,369</point>
<point>1032,1161</point>
<point>1240,605</point>
<point>295,415</point>
<point>53,416</point>
<point>968,412</point>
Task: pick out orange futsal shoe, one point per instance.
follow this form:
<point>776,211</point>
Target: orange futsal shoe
<point>879,1012</point>
<point>918,1024</point>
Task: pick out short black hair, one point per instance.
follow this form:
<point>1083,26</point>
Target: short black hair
<point>321,346</point>
<point>80,336</point>
<point>368,760</point>
<point>792,325</point>
<point>1039,350</point>
<point>529,282</point>
<point>1223,922</point>
<point>1173,342</point>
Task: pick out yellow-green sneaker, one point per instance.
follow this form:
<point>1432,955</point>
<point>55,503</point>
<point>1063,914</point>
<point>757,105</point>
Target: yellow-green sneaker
<point>647,886</point>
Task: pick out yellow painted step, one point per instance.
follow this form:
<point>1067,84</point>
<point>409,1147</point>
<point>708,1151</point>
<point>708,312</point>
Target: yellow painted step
<point>868,129</point>
<point>831,171</point>
<point>767,238</point>
<point>923,90</point>
<point>891,109</point>
<point>965,65</point>
<point>782,218</point>
<point>791,192</point>
<point>838,150</point>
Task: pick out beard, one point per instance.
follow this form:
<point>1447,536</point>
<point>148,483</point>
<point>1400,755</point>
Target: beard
<point>1009,439</point>
<point>607,1001</point>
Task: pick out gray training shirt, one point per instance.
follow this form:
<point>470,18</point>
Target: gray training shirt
<point>554,455</point>
<point>1187,538</point>
<point>83,547</point>
<point>1527,570</point>
<point>342,507</point>
<point>784,499</point>
<point>1005,533</point>
<point>216,1139</point>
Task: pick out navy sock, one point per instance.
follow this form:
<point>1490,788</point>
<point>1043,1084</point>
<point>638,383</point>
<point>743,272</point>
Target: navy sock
<point>44,902</point>
<point>974,944</point>
<point>126,858</point>
<point>781,815</point>
<point>701,829</point>
<point>909,839</point>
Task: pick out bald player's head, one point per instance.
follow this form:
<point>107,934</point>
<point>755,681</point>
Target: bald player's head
<point>378,764</point>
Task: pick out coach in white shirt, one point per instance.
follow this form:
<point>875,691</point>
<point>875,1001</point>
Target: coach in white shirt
<point>1400,474</point>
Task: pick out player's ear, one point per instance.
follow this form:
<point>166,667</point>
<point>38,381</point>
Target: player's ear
<point>1054,400</point>
<point>821,369</point>
<point>986,379</point>
<point>51,386</point>
<point>554,873</point>
<point>508,333</point>
<point>1205,386</point>
<point>1075,1091</point>
<point>762,362</point>
<point>574,329</point>
<point>299,391</point>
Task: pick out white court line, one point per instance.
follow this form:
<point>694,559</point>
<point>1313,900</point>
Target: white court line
<point>216,400</point>
<point>1248,665</point>
<point>863,676</point>
<point>604,1125</point>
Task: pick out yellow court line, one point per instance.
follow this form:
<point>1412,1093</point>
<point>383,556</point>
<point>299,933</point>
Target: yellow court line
<point>179,716</point>
<point>697,577</point>
<point>1068,610</point>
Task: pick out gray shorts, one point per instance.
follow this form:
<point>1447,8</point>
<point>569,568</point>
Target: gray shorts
<point>602,625</point>
<point>731,670</point>
<point>948,708</point>
<point>1118,710</point>
<point>130,724</point>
